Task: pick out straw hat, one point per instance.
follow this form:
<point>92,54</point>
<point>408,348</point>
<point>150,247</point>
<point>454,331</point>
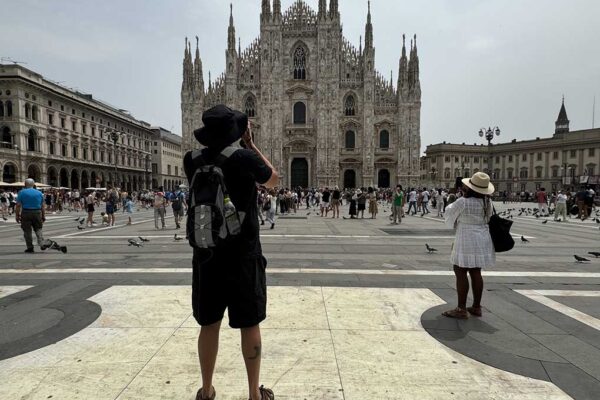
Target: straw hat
<point>480,183</point>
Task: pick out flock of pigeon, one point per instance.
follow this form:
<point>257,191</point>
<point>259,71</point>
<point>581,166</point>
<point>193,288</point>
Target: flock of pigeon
<point>535,212</point>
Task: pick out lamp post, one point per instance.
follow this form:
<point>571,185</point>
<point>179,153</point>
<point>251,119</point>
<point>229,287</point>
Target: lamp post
<point>489,135</point>
<point>114,136</point>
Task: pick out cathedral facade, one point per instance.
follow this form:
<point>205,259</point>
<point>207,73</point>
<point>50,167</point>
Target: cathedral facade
<point>319,109</point>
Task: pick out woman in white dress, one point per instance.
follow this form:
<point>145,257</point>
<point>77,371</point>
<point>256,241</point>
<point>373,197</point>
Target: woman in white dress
<point>473,249</point>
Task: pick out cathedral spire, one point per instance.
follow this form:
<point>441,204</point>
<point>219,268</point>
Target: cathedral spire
<point>369,29</point>
<point>239,46</point>
<point>403,67</point>
<point>334,9</point>
<point>198,80</point>
<point>276,9</point>
<point>360,46</point>
<point>231,30</point>
<point>562,122</point>
<point>322,9</point>
<point>265,14</point>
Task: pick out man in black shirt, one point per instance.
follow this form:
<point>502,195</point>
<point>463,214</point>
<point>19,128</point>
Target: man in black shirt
<point>335,202</point>
<point>233,276</point>
<point>325,202</point>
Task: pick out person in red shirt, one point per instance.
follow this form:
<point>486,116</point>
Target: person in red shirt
<point>542,199</point>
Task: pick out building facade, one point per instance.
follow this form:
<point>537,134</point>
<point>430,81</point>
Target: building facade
<point>64,138</point>
<point>319,109</point>
<point>567,159</point>
<point>167,160</point>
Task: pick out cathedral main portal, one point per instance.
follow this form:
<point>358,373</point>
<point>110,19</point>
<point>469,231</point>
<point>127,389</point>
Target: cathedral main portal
<point>299,173</point>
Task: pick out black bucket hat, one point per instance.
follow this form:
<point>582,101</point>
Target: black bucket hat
<point>222,126</point>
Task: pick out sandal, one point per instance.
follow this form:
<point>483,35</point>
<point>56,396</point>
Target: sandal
<point>458,313</point>
<point>475,311</point>
<point>265,394</point>
<point>199,395</point>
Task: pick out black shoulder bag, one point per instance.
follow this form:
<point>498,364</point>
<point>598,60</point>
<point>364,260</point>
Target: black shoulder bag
<point>500,233</point>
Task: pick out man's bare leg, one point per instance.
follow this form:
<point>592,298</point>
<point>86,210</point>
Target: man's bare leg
<point>251,350</point>
<point>208,347</point>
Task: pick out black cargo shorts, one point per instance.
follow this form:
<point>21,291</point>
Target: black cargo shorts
<point>222,280</point>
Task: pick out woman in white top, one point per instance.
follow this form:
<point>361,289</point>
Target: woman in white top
<point>473,249</point>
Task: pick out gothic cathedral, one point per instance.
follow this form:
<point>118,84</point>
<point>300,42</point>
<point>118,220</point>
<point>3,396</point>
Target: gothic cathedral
<point>321,112</point>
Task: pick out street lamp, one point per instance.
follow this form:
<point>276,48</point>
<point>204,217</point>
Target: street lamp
<point>489,135</point>
<point>114,136</point>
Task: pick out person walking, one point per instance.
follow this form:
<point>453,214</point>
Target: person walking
<point>129,209</point>
<point>473,249</point>
<point>89,206</point>
<point>336,198</point>
<point>542,199</point>
<point>412,201</point>
<point>160,205</point>
<point>439,203</point>
<point>232,276</point>
<point>112,199</point>
<point>424,202</point>
<point>178,205</point>
<point>397,204</point>
<point>561,206</point>
<point>30,213</point>
<point>373,208</point>
<point>270,203</point>
<point>361,201</point>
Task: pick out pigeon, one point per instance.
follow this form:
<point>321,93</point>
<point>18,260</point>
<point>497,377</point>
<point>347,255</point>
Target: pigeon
<point>143,239</point>
<point>430,249</point>
<point>4,218</point>
<point>308,213</point>
<point>51,244</point>
<point>545,221</point>
<point>579,259</point>
<point>177,238</point>
<point>594,253</point>
<point>558,220</point>
<point>80,227</point>
<point>133,242</point>
<point>524,240</point>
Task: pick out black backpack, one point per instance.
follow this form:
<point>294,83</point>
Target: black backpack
<point>206,226</point>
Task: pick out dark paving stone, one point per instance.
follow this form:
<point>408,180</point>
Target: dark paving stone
<point>573,381</point>
<point>577,352</point>
<point>587,305</point>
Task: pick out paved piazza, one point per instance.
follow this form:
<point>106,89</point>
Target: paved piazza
<point>354,313</point>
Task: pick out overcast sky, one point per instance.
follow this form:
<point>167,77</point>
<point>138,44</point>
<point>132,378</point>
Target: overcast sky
<point>483,62</point>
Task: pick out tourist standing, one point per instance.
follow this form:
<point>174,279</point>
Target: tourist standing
<point>160,205</point>
<point>325,202</point>
<point>335,202</point>
<point>473,249</point>
<point>373,209</point>
<point>542,200</point>
<point>89,206</point>
<point>30,213</point>
<point>412,201</point>
<point>561,206</point>
<point>397,205</point>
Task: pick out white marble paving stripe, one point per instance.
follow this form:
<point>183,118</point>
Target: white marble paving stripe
<point>101,229</point>
<point>333,271</point>
<point>540,297</point>
<point>8,290</point>
<point>569,293</point>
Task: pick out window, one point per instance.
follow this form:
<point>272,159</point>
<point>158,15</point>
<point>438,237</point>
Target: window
<point>524,157</point>
<point>94,155</point>
<point>93,131</point>
<point>168,170</point>
<point>497,159</point>
<point>447,159</point>
<point>82,115</point>
<point>156,143</point>
<point>467,172</point>
<point>52,149</point>
<point>475,159</point>
<point>523,173</point>
<point>573,153</point>
<point>62,123</point>
<point>49,103</point>
<point>590,169</point>
<point>73,111</point>
<point>176,170</point>
<point>349,106</point>
<point>63,150</point>
<point>300,63</point>
<point>384,139</point>
<point>27,111</point>
<point>555,172</point>
<point>34,113</point>
<point>591,153</point>
<point>538,172</point>
<point>155,151</point>
<point>85,154</point>
<point>509,173</point>
<point>539,157</point>
<point>510,158</point>
<point>50,119</point>
<point>110,159</point>
<point>555,155</point>
<point>456,160</point>
<point>250,107</point>
<point>350,140</point>
<point>31,140</point>
<point>101,156</point>
<point>1,109</point>
<point>299,113</point>
<point>447,173</point>
<point>62,108</point>
<point>74,126</point>
<point>83,126</point>
<point>154,168</point>
<point>74,155</point>
<point>9,108</point>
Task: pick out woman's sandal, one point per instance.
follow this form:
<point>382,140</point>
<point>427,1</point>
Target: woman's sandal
<point>475,311</point>
<point>265,394</point>
<point>199,395</point>
<point>457,313</point>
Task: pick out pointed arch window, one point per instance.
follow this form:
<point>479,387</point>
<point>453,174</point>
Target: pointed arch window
<point>350,140</point>
<point>250,107</point>
<point>384,139</point>
<point>350,106</point>
<point>300,63</point>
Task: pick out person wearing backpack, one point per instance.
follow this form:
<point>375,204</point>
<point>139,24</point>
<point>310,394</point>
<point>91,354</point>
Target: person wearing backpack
<point>228,265</point>
<point>178,203</point>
